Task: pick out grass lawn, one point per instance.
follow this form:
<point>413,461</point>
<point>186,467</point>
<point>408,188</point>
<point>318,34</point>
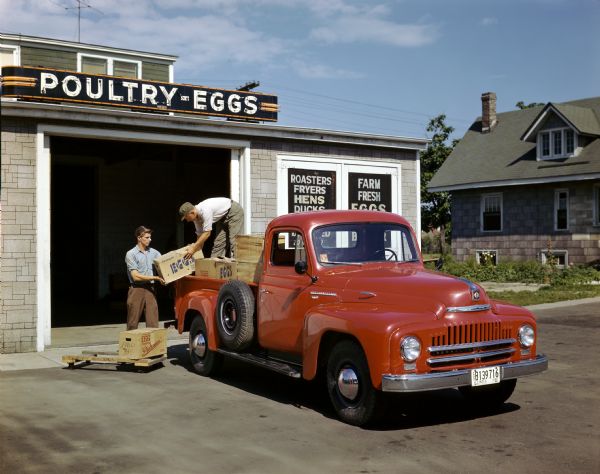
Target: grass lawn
<point>546,294</point>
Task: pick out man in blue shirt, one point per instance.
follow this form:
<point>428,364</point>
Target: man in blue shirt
<point>141,296</point>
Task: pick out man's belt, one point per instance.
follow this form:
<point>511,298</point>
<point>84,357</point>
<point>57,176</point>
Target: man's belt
<point>147,286</point>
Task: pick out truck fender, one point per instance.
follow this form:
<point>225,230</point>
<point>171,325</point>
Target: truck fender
<point>337,321</point>
<point>203,302</point>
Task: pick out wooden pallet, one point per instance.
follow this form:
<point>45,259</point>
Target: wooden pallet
<point>95,357</point>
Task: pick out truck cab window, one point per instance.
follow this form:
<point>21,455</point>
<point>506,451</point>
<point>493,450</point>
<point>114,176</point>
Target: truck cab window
<point>287,248</point>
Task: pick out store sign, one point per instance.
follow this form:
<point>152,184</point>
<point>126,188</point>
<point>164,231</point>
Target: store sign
<point>310,190</point>
<point>41,84</point>
<point>370,191</point>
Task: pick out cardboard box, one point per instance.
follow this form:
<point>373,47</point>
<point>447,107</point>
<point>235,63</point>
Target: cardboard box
<point>172,266</point>
<point>249,271</point>
<point>220,268</point>
<point>249,248</point>
<point>143,343</point>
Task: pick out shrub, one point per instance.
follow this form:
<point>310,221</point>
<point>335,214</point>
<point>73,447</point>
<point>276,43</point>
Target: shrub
<point>579,275</point>
<point>524,272</point>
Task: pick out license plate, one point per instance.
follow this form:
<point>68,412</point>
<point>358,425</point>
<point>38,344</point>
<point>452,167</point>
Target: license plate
<point>485,376</point>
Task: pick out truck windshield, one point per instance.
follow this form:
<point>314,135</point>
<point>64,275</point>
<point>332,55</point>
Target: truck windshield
<point>363,242</point>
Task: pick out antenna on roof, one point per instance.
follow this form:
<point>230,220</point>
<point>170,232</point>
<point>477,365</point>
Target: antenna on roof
<point>80,4</point>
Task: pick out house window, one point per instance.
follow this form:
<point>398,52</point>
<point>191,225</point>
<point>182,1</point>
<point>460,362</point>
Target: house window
<point>9,56</point>
<point>110,66</point>
<point>491,212</point>
<point>570,141</point>
<point>125,69</point>
<point>486,257</point>
<point>92,65</point>
<point>559,143</point>
<point>560,258</point>
<point>561,209</point>
<point>545,138</point>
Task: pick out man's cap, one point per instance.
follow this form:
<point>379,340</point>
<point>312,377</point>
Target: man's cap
<point>185,208</point>
<point>141,230</point>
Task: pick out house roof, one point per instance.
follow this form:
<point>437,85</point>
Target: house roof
<point>503,157</point>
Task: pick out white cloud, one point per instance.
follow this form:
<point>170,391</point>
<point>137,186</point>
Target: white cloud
<point>202,39</point>
<point>374,30</point>
<point>208,34</point>
<point>488,21</point>
<point>322,71</point>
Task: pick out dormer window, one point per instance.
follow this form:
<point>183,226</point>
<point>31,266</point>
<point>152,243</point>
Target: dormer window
<point>556,143</point>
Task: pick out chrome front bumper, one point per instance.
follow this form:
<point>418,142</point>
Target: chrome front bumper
<point>457,378</point>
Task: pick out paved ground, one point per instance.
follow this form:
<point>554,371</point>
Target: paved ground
<point>100,420</point>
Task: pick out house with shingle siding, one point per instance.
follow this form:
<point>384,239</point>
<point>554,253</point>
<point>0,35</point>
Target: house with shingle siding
<point>525,184</point>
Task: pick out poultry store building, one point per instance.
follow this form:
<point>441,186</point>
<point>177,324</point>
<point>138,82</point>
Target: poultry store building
<point>97,141</point>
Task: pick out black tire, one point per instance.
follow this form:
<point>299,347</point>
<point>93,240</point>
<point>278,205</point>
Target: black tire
<point>356,403</point>
<point>488,396</point>
<point>235,315</point>
<point>204,361</point>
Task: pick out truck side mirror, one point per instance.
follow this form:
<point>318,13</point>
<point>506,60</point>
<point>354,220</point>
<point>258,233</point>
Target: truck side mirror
<point>301,268</point>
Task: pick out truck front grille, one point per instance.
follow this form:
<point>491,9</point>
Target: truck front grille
<point>469,343</point>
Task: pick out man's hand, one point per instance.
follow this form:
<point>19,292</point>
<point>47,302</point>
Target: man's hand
<point>191,250</point>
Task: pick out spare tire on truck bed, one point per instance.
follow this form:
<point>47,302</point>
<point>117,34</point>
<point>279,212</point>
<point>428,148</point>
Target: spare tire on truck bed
<point>235,315</point>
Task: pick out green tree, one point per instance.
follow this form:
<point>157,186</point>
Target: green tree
<point>521,105</point>
<point>435,207</point>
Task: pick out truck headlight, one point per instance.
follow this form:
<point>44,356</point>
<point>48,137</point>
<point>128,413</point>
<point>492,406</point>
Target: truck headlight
<point>526,335</point>
<point>410,348</point>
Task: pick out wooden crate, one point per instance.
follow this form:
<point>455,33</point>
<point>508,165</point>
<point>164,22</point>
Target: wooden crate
<point>172,266</point>
<point>142,343</point>
<point>220,268</point>
<point>249,271</point>
<point>249,248</point>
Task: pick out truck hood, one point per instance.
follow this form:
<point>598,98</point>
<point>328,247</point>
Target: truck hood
<point>408,286</point>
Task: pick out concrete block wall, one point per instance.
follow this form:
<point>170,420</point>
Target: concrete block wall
<point>263,164</point>
<point>528,224</point>
<point>18,237</point>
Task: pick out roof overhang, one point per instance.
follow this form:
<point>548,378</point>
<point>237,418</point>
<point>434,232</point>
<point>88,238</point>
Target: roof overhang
<point>125,119</point>
<point>514,182</point>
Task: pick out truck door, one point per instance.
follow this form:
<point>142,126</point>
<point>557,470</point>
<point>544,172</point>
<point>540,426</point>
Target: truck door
<point>284,295</point>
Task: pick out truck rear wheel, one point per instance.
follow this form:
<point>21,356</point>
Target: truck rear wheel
<point>235,315</point>
<point>351,392</point>
<point>204,361</point>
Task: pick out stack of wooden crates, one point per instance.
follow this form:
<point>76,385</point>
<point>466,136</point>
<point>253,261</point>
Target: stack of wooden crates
<point>246,266</point>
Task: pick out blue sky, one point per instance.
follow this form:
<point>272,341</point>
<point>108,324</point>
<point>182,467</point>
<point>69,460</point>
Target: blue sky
<point>382,67</point>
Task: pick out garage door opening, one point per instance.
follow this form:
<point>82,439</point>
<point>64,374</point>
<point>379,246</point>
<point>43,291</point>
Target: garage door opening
<point>101,190</point>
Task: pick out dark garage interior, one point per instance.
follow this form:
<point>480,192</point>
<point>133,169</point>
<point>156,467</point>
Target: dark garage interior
<point>101,190</point>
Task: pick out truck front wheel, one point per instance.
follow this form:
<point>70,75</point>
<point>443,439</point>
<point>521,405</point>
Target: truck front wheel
<point>349,385</point>
<point>204,361</point>
<point>235,315</point>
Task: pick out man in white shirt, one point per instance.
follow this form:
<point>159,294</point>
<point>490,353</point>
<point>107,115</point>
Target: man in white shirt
<point>225,214</point>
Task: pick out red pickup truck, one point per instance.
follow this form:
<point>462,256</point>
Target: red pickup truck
<point>345,294</point>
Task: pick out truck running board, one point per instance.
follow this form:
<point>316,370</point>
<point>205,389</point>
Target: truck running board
<point>267,363</point>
